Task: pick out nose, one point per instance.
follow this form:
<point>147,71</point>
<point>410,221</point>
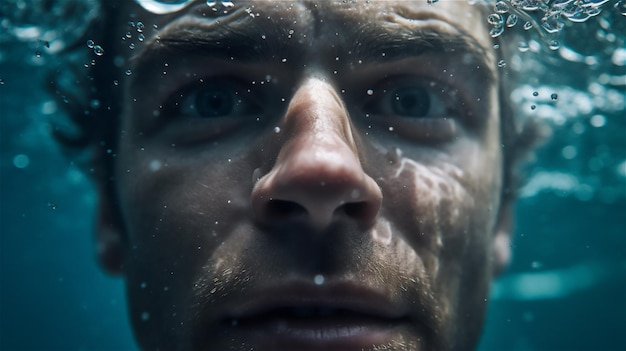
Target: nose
<point>318,177</point>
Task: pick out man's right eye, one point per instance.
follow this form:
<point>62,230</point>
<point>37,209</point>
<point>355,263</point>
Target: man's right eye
<point>215,99</point>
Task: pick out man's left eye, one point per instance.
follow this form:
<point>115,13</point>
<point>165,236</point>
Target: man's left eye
<point>215,100</point>
<point>411,101</point>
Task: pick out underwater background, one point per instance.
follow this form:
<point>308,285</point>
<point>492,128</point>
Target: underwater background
<point>566,286</point>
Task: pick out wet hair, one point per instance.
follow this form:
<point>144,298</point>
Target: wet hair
<point>92,103</point>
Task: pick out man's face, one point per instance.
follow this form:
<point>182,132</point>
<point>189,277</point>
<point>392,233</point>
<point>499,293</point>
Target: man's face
<point>313,175</point>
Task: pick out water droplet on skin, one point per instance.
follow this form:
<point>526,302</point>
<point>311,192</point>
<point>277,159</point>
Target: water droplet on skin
<point>319,279</point>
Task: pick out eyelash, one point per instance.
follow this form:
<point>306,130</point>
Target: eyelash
<point>215,98</point>
<point>425,100</point>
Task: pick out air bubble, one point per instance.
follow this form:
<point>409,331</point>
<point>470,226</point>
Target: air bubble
<point>528,25</point>
<point>90,44</point>
<point>318,279</point>
<point>501,7</point>
<point>533,107</point>
<point>554,45</point>
<point>496,31</point>
<point>140,27</point>
<point>276,130</point>
<point>370,92</point>
<point>535,93</point>
<point>511,20</point>
<point>98,50</point>
<point>522,46</point>
<point>21,161</point>
<point>501,63</point>
<point>554,96</point>
<point>141,37</point>
<point>128,72</point>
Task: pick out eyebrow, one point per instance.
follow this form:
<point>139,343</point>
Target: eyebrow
<point>243,39</point>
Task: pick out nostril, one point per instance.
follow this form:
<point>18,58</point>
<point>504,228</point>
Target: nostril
<point>283,209</point>
<point>356,210</point>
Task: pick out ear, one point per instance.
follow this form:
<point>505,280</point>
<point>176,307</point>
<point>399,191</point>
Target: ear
<point>501,245</point>
<point>110,238</point>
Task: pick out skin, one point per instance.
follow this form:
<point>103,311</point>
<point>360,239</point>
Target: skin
<point>312,191</point>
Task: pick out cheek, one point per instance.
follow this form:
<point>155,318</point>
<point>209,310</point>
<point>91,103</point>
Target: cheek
<point>440,210</point>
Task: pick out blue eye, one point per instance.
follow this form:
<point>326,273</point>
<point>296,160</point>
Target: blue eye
<point>214,102</point>
<point>216,99</point>
<point>410,100</point>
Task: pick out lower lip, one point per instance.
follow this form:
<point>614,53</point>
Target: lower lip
<point>322,334</point>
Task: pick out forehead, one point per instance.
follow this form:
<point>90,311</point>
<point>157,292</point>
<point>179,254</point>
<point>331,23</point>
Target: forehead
<point>326,20</point>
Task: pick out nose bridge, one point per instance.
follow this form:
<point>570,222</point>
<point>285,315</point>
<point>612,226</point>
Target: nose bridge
<point>317,114</point>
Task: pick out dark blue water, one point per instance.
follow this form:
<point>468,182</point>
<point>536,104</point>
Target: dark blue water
<point>565,290</point>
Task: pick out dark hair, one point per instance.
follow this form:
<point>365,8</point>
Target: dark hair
<point>92,103</point>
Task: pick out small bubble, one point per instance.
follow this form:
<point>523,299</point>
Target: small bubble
<point>554,45</point>
<point>116,82</point>
<point>391,129</point>
<point>535,93</point>
<point>90,44</point>
<point>131,46</point>
<point>139,26</point>
<point>145,316</point>
<point>511,21</point>
<point>21,161</point>
<point>98,50</point>
<point>128,35</point>
<point>523,46</point>
<point>276,130</point>
<point>533,107</point>
<point>554,96</point>
<point>569,152</point>
<point>38,53</point>
<point>128,72</point>
<point>597,121</point>
<point>141,37</point>
<point>52,205</point>
<point>370,92</point>
<point>1,81</point>
<point>528,25</point>
<point>143,285</point>
<point>501,63</point>
<point>319,279</point>
<point>501,7</point>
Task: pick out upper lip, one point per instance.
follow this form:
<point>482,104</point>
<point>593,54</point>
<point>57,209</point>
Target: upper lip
<point>347,297</point>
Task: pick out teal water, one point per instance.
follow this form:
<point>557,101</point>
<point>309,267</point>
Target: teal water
<point>565,289</point>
